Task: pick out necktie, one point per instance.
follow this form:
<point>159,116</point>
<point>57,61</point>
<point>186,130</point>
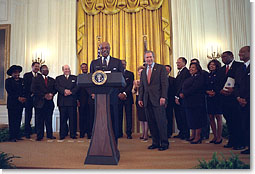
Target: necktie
<point>66,77</point>
<point>244,67</point>
<point>149,75</point>
<point>104,61</point>
<point>46,81</point>
<point>227,68</point>
<point>179,72</point>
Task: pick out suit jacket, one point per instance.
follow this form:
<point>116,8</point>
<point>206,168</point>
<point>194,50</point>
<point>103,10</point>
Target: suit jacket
<point>193,89</point>
<point>157,88</point>
<point>184,74</point>
<point>129,78</point>
<point>61,84</point>
<point>114,65</point>
<point>223,78</point>
<point>242,84</point>
<point>15,89</point>
<point>39,89</point>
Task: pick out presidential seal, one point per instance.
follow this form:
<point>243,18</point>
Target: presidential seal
<point>99,77</point>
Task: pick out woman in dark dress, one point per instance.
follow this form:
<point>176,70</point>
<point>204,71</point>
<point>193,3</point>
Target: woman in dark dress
<point>15,101</point>
<point>193,94</point>
<point>140,111</point>
<point>213,101</point>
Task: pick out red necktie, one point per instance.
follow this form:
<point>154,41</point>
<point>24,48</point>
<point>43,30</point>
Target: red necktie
<point>149,75</point>
<point>46,81</point>
<point>227,68</point>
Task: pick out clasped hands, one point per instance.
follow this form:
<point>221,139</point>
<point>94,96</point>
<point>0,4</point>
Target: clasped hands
<point>122,96</point>
<point>48,96</point>
<point>22,99</point>
<point>241,101</point>
<point>67,92</point>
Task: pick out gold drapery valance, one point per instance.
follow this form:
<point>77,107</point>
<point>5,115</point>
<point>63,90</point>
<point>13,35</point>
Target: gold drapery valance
<point>93,7</point>
<point>124,23</point>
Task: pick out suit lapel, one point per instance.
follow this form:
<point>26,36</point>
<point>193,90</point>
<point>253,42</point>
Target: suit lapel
<point>110,63</point>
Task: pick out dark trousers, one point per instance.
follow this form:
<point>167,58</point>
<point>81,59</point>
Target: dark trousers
<point>127,104</point>
<point>28,117</point>
<point>84,118</point>
<point>206,129</point>
<point>245,114</point>
<point>231,114</point>
<point>169,116</point>
<point>14,120</point>
<point>44,116</point>
<point>157,122</point>
<point>181,120</point>
<point>67,113</point>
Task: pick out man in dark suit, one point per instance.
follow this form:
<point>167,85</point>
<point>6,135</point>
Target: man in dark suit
<point>84,113</point>
<point>153,96</point>
<point>108,63</point>
<point>29,96</point>
<point>43,88</point>
<point>126,100</point>
<point>67,102</point>
<point>170,104</point>
<point>230,105</point>
<point>179,109</point>
<point>242,94</point>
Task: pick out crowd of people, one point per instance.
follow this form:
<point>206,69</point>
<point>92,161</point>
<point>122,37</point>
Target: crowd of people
<point>195,97</point>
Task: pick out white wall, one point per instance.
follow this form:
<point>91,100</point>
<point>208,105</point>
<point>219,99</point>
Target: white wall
<point>198,24</point>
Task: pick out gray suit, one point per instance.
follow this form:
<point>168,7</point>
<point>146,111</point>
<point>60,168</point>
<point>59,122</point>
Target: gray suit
<point>150,94</point>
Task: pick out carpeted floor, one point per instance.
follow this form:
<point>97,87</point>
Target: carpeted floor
<point>133,154</point>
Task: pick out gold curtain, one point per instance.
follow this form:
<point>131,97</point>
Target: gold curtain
<point>123,23</point>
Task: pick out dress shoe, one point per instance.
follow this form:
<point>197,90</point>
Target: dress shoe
<point>218,142</point>
<point>39,139</point>
<point>129,137</point>
<point>61,138</point>
<point>52,137</point>
<point>28,137</point>
<point>247,151</point>
<point>228,146</point>
<point>190,139</point>
<point>153,147</point>
<point>13,140</point>
<point>82,136</point>
<point>141,138</point>
<point>74,137</point>
<point>239,148</point>
<point>19,138</point>
<point>178,136</point>
<point>145,140</point>
<point>89,136</point>
<point>162,148</point>
<point>212,141</point>
<point>196,142</point>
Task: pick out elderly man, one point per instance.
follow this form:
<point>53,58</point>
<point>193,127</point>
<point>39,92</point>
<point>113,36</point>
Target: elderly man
<point>108,63</point>
<point>67,102</point>
<point>153,96</point>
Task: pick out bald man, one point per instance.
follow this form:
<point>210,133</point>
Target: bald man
<point>108,63</point>
<point>67,102</point>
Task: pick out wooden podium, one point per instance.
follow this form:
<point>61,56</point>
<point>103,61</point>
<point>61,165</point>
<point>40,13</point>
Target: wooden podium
<point>103,149</point>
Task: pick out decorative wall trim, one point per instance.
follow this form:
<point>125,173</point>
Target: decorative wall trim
<point>4,10</point>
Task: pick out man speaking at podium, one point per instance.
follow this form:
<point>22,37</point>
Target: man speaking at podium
<point>108,63</point>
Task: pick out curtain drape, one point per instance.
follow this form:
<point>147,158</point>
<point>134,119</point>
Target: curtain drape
<point>123,23</point>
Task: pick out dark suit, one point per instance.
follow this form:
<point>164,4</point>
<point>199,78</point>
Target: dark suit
<point>179,110</point>
<point>170,105</point>
<point>150,94</point>
<point>29,102</point>
<point>114,65</point>
<point>193,89</point>
<point>242,90</point>
<point>14,90</point>
<point>44,108</point>
<point>230,105</point>
<point>84,112</point>
<point>129,78</point>
<point>67,104</point>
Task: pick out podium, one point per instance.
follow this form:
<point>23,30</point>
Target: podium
<point>103,149</point>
